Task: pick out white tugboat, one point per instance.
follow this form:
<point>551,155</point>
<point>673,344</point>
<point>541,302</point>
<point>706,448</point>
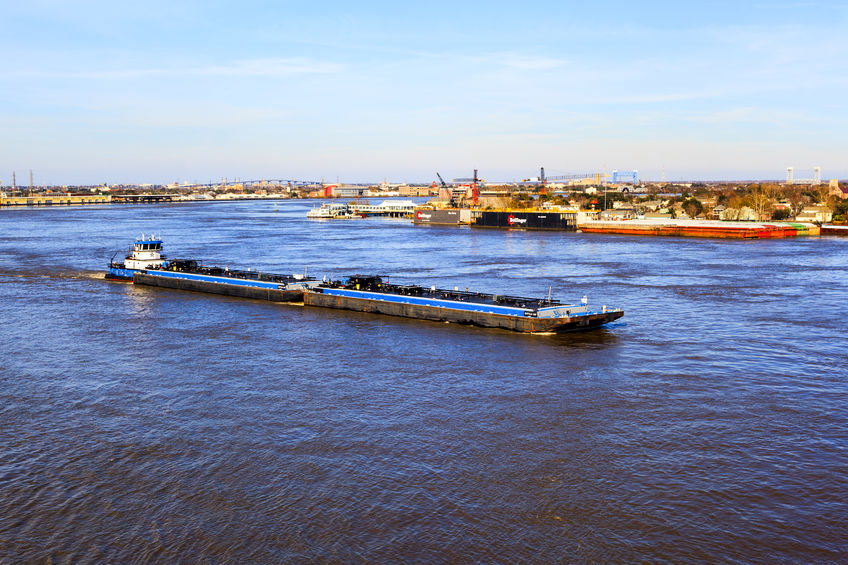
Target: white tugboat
<point>145,253</point>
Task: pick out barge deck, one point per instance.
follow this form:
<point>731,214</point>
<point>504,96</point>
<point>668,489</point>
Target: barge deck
<point>183,274</point>
<point>527,315</point>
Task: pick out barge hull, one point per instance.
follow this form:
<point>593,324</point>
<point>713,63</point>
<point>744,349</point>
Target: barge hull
<point>451,217</point>
<point>526,220</point>
<point>483,319</point>
<point>834,230</point>
<point>701,228</point>
<point>241,291</point>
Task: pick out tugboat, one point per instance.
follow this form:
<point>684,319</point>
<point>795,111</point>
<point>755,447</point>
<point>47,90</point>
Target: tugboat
<point>527,315</point>
<point>145,253</point>
<point>145,265</point>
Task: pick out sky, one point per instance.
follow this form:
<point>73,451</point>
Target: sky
<point>158,92</point>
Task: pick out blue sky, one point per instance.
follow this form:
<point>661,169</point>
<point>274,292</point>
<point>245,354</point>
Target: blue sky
<point>194,91</point>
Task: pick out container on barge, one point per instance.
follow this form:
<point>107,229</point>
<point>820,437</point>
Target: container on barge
<point>525,219</point>
<point>527,315</point>
<point>441,217</point>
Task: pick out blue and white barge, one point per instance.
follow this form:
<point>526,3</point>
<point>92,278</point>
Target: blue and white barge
<point>189,274</point>
<point>144,253</point>
<point>527,315</point>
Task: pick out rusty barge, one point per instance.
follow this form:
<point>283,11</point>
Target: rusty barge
<point>700,228</point>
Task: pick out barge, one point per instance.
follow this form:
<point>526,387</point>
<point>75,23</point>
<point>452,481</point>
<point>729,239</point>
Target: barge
<point>145,265</point>
<point>830,229</point>
<point>527,315</point>
<point>526,219</point>
<point>188,274</point>
<point>441,217</point>
<point>700,228</point>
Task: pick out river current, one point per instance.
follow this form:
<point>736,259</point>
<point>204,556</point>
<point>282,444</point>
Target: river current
<point>140,425</point>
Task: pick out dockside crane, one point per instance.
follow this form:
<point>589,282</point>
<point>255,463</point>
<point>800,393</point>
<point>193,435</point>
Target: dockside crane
<point>441,180</point>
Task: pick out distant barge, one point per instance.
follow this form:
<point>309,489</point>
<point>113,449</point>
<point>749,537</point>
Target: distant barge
<point>830,229</point>
<point>528,315</point>
<point>527,220</point>
<point>700,228</point>
<point>562,220</point>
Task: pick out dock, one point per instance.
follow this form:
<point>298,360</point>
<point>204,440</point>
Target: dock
<point>387,208</point>
<point>54,200</point>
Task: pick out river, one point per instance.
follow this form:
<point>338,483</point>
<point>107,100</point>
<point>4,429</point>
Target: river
<point>710,423</point>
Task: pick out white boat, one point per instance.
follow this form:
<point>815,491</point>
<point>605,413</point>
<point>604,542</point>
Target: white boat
<point>331,211</point>
<point>145,253</point>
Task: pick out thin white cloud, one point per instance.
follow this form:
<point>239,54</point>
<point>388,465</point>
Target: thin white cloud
<point>275,67</point>
<point>531,63</point>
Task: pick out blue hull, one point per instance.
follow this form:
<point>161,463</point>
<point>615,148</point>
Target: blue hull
<point>120,274</point>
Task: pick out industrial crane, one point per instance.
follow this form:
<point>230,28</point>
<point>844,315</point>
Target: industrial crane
<point>440,180</point>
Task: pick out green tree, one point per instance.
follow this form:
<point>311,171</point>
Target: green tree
<point>840,211</point>
<point>780,214</point>
<point>693,207</point>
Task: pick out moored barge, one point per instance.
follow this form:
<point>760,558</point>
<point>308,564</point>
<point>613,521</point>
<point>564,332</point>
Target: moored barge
<point>526,219</point>
<point>527,315</point>
<point>700,228</point>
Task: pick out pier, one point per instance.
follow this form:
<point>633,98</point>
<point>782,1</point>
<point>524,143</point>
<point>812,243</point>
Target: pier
<point>387,208</point>
<point>54,200</point>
